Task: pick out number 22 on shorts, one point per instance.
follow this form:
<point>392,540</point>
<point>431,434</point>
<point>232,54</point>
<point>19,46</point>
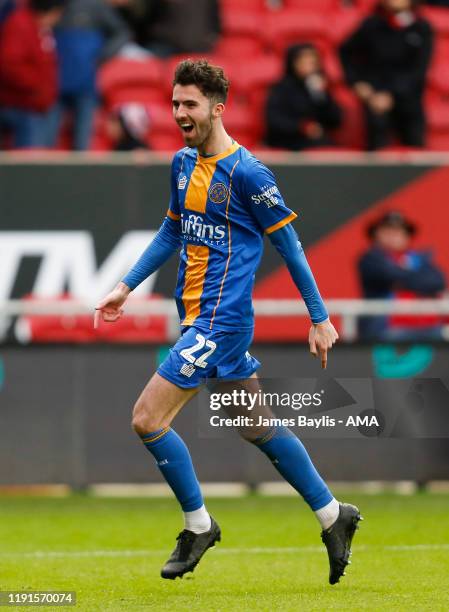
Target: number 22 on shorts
<point>201,342</point>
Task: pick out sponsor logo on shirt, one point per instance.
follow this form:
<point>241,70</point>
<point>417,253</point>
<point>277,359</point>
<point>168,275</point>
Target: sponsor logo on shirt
<point>193,226</point>
<point>218,193</point>
<point>269,195</point>
<point>182,182</point>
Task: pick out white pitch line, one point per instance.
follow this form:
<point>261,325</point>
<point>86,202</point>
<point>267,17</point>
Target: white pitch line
<point>222,551</point>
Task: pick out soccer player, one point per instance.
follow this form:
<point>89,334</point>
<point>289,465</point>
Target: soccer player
<point>223,201</point>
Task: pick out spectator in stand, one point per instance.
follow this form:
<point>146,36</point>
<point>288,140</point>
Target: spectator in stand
<point>300,110</point>
<point>89,32</point>
<point>28,71</point>
<point>128,127</point>
<point>392,269</point>
<point>386,61</point>
<point>183,26</point>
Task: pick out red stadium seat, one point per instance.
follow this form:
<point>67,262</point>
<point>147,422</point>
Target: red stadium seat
<point>290,27</point>
<point>320,6</point>
<point>243,23</point>
<point>164,134</point>
<point>235,6</point>
<point>140,93</point>
<point>437,141</point>
<point>367,6</point>
<point>252,82</point>
<point>438,78</point>
<point>165,142</point>
<point>161,119</point>
<point>240,123</point>
<point>351,134</point>
<point>437,111</point>
<point>239,46</point>
<point>342,23</point>
<point>131,75</point>
<point>100,140</point>
<point>438,17</point>
<point>255,73</point>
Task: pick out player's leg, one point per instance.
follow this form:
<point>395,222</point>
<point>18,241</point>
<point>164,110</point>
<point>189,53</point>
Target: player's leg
<point>175,383</point>
<point>153,413</point>
<point>292,461</point>
<point>289,457</point>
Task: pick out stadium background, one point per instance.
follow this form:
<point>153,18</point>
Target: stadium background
<point>260,32</point>
<point>66,392</point>
<point>57,383</point>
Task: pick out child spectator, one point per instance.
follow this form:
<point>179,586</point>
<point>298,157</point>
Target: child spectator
<point>300,110</point>
<point>128,126</point>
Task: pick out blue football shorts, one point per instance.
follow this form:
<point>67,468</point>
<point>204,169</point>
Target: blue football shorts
<point>199,355</point>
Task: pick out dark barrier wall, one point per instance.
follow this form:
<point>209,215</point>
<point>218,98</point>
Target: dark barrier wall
<point>334,203</point>
<point>65,416</point>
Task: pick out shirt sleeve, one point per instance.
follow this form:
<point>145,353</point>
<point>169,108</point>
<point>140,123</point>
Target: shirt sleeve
<point>174,212</point>
<point>264,199</point>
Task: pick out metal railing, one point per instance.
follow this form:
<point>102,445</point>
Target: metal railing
<point>348,309</point>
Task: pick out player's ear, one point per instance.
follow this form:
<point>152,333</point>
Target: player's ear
<point>218,109</point>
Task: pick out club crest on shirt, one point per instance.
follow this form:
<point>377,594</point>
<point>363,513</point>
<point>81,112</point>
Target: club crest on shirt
<point>218,193</point>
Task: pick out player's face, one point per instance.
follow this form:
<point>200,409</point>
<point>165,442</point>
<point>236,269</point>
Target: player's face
<point>194,113</point>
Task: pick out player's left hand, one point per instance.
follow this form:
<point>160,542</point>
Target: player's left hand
<point>322,336</point>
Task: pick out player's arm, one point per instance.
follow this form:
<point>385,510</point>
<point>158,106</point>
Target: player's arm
<point>322,333</point>
<point>164,244</point>
<point>267,206</point>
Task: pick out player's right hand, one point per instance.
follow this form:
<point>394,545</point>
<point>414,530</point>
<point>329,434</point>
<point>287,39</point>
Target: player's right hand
<point>109,309</point>
<point>322,336</point>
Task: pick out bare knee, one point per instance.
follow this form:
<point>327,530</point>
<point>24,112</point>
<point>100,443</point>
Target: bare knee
<point>158,405</point>
<point>144,420</point>
<point>251,434</point>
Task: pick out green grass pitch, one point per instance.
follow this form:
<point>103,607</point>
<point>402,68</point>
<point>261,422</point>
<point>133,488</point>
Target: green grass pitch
<point>271,558</point>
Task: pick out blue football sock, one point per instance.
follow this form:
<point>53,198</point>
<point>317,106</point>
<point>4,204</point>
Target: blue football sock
<point>174,461</point>
<point>292,461</point>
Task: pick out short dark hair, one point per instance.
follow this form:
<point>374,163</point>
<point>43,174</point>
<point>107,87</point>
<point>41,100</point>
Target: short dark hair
<point>210,80</point>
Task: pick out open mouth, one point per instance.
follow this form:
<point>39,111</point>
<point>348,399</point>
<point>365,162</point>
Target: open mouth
<point>187,128</point>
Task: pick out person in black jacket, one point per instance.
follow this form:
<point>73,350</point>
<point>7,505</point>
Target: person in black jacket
<point>391,269</point>
<point>300,110</point>
<point>385,61</point>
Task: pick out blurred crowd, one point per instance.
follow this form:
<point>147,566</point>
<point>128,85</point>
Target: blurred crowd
<point>53,53</point>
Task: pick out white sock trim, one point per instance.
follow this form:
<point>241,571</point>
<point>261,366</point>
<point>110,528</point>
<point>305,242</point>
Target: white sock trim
<point>197,521</point>
<point>328,514</point>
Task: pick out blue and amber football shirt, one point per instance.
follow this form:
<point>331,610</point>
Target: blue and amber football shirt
<point>224,204</point>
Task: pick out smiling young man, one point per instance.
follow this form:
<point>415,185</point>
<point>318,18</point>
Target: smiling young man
<point>223,201</point>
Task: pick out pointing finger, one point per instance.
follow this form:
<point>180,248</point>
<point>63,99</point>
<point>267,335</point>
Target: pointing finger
<point>323,355</point>
<point>97,317</point>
